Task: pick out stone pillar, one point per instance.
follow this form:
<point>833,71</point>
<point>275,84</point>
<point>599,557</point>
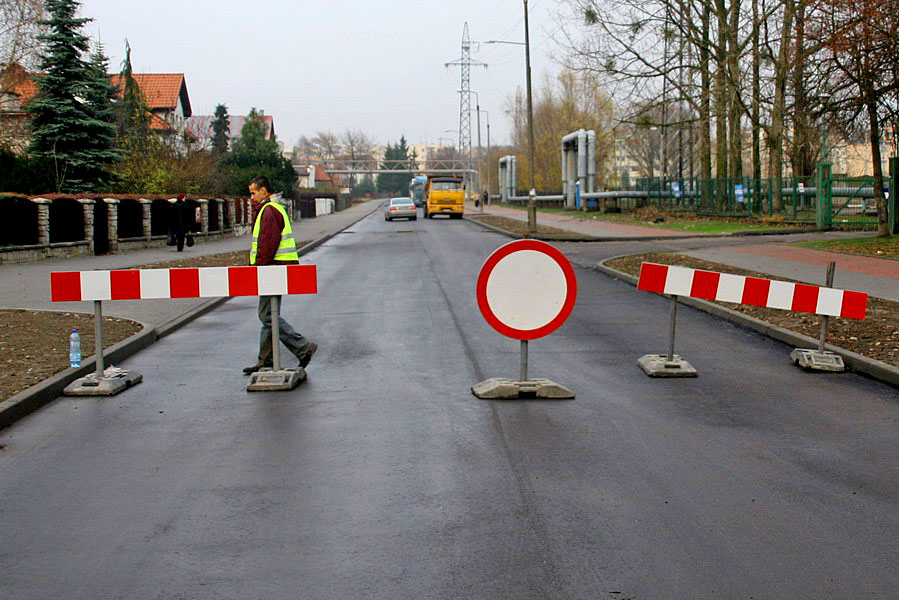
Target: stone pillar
<point>147,208</point>
<point>221,207</point>
<point>204,211</point>
<point>112,207</point>
<point>248,212</point>
<point>88,206</point>
<point>231,211</point>
<point>43,220</point>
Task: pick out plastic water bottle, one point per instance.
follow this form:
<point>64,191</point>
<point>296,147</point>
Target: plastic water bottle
<point>74,349</point>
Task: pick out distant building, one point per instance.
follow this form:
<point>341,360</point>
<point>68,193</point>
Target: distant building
<point>200,126</point>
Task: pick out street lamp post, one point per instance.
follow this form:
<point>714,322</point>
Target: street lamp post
<point>532,205</point>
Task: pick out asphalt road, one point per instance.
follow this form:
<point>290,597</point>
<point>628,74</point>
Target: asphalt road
<point>381,476</point>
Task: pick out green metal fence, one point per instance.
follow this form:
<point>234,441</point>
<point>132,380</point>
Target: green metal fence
<point>825,200</point>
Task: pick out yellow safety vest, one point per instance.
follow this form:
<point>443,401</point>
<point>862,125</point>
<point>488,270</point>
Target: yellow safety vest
<point>287,249</point>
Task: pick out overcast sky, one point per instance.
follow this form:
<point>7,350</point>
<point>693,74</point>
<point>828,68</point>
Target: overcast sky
<point>373,65</point>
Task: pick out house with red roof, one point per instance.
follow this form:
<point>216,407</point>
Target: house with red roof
<point>166,97</point>
<point>165,93</point>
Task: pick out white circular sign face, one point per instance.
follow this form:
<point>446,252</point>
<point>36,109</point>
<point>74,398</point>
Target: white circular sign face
<point>526,289</point>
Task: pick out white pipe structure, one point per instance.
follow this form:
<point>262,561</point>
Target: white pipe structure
<point>508,175</point>
<point>578,164</point>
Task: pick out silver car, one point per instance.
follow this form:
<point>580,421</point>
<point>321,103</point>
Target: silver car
<point>400,208</point>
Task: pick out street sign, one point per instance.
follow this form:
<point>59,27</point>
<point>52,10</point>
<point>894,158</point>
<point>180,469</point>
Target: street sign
<point>526,289</point>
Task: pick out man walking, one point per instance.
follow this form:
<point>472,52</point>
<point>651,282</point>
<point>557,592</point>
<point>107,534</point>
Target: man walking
<point>274,244</point>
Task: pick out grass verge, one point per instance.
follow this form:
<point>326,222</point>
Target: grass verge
<point>883,247</point>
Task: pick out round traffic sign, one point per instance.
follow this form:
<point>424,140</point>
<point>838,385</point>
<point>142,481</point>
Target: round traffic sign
<point>526,289</point>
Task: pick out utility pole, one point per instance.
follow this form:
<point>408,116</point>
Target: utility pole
<point>532,202</point>
<point>465,62</point>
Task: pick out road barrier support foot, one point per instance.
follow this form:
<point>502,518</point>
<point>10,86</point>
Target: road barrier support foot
<point>269,380</point>
<point>659,365</point>
<point>114,380</point>
<point>498,388</point>
<point>818,360</point>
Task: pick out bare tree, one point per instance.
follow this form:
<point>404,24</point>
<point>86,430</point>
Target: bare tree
<point>19,28</point>
<point>325,145</point>
<point>862,37</point>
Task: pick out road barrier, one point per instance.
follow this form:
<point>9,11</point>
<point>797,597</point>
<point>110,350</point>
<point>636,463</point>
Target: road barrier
<point>754,291</point>
<point>199,282</point>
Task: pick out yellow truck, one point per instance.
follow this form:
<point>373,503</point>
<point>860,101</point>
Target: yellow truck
<point>444,195</point>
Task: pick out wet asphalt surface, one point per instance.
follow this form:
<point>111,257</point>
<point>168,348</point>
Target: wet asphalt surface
<point>381,476</point>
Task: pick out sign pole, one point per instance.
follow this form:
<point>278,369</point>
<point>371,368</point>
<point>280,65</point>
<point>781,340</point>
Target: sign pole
<point>524,360</point>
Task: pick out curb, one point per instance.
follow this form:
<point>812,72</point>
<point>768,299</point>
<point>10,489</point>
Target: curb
<point>855,362</point>
<point>29,400</point>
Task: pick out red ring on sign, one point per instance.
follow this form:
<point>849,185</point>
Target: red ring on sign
<point>517,246</point>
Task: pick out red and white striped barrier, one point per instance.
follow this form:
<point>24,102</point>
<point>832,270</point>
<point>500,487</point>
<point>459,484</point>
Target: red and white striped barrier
<point>201,282</point>
<point>740,289</point>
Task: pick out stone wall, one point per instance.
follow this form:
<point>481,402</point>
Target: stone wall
<point>237,219</point>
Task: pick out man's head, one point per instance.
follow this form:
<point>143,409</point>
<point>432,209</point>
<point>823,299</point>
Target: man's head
<point>260,189</point>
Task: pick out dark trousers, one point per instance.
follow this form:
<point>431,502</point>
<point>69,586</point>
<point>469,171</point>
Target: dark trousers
<point>294,341</point>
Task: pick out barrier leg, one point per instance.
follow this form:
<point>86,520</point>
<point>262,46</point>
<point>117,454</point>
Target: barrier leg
<point>103,382</point>
<point>820,359</point>
<point>98,337</point>
<point>276,333</point>
<point>276,378</point>
<point>671,327</point>
<point>667,365</point>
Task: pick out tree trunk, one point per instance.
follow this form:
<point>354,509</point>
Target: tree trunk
<point>705,102</point>
<point>882,225</point>
<point>756,95</point>
<point>775,137</point>
<point>735,162</point>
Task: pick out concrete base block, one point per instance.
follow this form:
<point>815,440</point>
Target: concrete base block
<point>108,385</point>
<point>267,380</point>
<point>499,388</point>
<point>816,360</point>
<point>658,365</point>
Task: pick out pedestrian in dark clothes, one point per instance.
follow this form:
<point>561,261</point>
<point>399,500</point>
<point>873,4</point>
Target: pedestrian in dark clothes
<point>180,220</point>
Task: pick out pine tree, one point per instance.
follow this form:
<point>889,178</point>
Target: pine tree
<point>221,127</point>
<point>132,116</point>
<point>395,183</point>
<point>66,127</point>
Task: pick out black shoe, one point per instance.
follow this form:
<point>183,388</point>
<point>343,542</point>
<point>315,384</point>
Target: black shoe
<point>257,367</point>
<point>311,347</point>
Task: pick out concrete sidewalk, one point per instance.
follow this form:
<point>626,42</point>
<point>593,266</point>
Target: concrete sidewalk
<point>27,285</point>
<point>586,227</point>
<point>770,254</point>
